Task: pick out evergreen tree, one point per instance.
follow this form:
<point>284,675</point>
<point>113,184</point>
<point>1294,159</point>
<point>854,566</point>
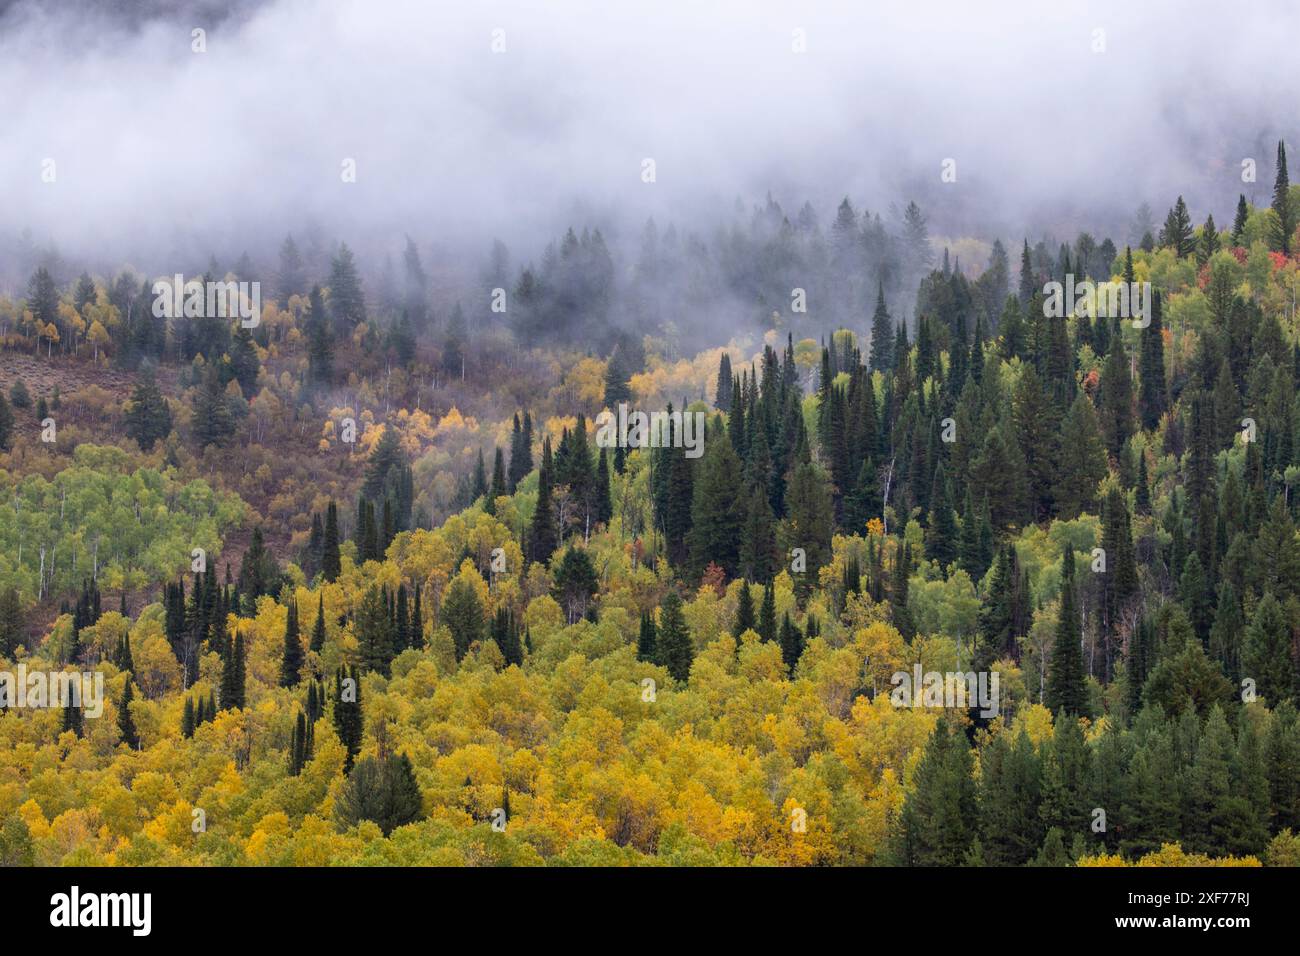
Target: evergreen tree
<point>939,815</point>
<point>1082,460</point>
<point>882,334</point>
<point>767,614</point>
<point>645,641</point>
<point>1116,398</point>
<point>941,535</point>
<point>463,614</point>
<point>1283,223</point>
<point>298,745</point>
<point>1239,221</point>
<point>291,659</point>
<point>575,583</point>
<point>317,643</point>
<point>1009,796</point>
<point>125,723</point>
<point>544,532</point>
<point>1177,233</point>
<point>347,300</point>
<point>674,649</point>
<point>348,720</point>
<point>1028,280</point>
<point>148,418</point>
<point>745,620</point>
<point>1065,689</point>
<point>723,392</point>
<point>498,487</point>
<point>714,536</point>
<point>383,790</point>
<point>1267,655</point>
<point>330,563</point>
<point>320,341</point>
<point>792,643</point>
<point>233,677</point>
<point>1152,391</point>
<point>602,508</point>
<point>211,422</point>
<point>374,630</point>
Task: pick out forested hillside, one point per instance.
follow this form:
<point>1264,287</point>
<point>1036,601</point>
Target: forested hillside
<point>368,584</point>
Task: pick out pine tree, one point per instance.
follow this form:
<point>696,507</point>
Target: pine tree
<point>125,723</point>
<point>576,583</point>
<point>348,719</point>
<point>1239,221</point>
<point>463,614</point>
<point>714,537</point>
<point>233,676</point>
<point>187,718</point>
<point>347,301</point>
<point>767,614</point>
<point>1152,392</point>
<point>1028,280</point>
<point>645,641</point>
<point>1009,796</point>
<point>1266,655</point>
<point>1116,398</point>
<point>148,417</point>
<point>211,423</point>
<point>882,334</point>
<point>374,630</point>
<point>1065,689</point>
<point>383,790</point>
<point>298,745</point>
<point>1082,460</point>
<point>941,535</point>
<point>292,657</point>
<point>602,509</point>
<point>745,619</point>
<point>1209,242</point>
<point>810,521</point>
<point>498,486</point>
<point>320,341</point>
<point>330,563</point>
<point>792,643</point>
<point>1177,233</point>
<point>1283,223</point>
<point>674,649</point>
<point>722,395</point>
<point>544,532</point>
<point>318,629</point>
<point>939,815</point>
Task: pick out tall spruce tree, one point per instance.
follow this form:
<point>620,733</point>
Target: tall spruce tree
<point>1283,222</point>
<point>674,649</point>
<point>1065,689</point>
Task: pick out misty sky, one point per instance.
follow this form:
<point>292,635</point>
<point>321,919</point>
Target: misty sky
<point>157,146</point>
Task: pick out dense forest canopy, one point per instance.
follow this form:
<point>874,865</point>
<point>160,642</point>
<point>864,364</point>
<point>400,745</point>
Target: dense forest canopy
<point>964,531</point>
<point>429,606</point>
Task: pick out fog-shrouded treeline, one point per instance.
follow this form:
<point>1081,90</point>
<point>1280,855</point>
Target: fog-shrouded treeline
<point>932,564</point>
